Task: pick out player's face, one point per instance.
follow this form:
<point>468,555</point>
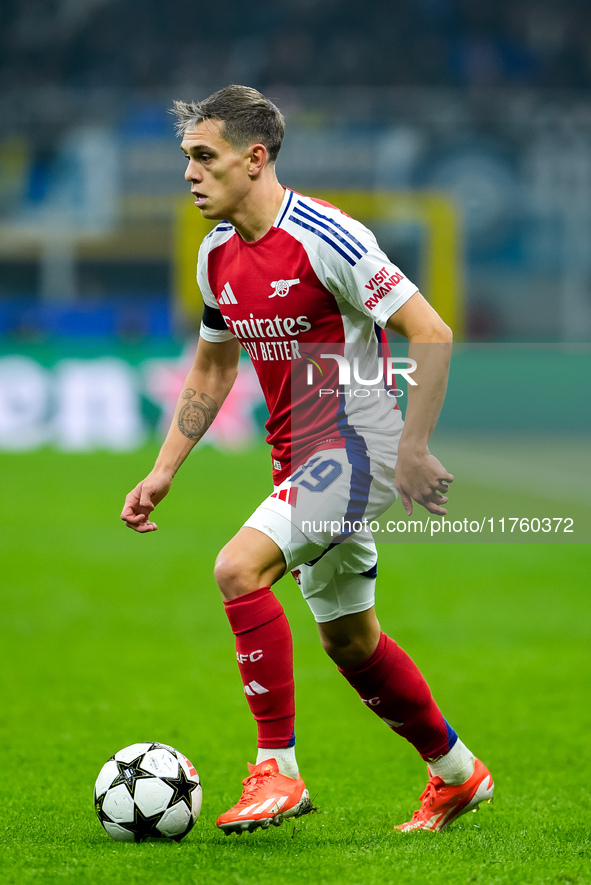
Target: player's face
<point>218,173</point>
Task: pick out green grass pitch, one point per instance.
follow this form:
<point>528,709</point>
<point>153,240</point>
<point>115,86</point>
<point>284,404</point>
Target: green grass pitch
<point>108,637</point>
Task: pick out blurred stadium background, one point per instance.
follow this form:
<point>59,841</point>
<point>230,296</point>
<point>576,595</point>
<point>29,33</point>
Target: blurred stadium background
<point>463,129</point>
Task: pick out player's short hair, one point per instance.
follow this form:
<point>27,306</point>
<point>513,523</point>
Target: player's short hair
<point>246,114</point>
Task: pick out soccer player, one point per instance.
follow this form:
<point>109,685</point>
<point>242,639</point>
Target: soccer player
<point>281,275</point>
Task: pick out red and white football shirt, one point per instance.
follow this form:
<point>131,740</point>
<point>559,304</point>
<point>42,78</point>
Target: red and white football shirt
<point>317,277</point>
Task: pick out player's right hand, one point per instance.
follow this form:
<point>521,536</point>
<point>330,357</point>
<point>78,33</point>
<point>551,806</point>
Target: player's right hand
<point>142,500</point>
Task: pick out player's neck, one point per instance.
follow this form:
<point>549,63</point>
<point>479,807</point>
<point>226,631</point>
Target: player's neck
<point>255,216</point>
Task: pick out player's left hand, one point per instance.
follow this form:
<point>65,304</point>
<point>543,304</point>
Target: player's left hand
<point>142,500</point>
<point>422,478</point>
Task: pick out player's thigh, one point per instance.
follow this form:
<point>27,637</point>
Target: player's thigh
<point>341,581</point>
<point>319,520</point>
<point>330,497</point>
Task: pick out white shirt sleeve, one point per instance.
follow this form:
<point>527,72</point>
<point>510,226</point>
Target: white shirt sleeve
<point>370,282</point>
<point>221,332</point>
<point>348,260</point>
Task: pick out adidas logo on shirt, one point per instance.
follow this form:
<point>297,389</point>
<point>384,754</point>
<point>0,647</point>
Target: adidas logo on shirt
<point>227,296</point>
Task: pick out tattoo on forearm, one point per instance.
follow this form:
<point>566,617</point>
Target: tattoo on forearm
<point>195,417</point>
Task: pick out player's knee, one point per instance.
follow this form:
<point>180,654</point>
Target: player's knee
<point>248,562</point>
<point>351,639</point>
<point>348,651</point>
<point>229,575</point>
<point>236,574</point>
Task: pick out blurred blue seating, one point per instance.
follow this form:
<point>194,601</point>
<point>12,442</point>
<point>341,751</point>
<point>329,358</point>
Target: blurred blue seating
<point>26,317</point>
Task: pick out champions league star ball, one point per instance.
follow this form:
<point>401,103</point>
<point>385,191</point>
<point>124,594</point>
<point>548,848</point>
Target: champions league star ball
<point>147,791</point>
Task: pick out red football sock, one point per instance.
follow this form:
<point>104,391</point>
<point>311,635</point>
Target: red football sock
<point>265,658</point>
<point>391,685</point>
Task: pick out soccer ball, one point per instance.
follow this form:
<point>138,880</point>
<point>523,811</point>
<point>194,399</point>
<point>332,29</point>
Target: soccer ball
<point>147,791</point>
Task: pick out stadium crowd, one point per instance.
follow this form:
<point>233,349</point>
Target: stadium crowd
<point>148,44</point>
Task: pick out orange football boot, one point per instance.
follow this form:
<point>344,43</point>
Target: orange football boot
<point>268,798</point>
<point>442,803</point>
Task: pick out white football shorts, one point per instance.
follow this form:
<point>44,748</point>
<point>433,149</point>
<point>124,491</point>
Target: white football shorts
<point>319,519</point>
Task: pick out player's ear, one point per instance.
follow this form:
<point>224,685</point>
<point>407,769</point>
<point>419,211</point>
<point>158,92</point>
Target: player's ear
<point>257,159</point>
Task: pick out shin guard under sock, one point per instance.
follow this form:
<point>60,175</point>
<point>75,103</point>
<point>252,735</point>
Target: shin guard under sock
<point>391,685</point>
<point>264,652</point>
